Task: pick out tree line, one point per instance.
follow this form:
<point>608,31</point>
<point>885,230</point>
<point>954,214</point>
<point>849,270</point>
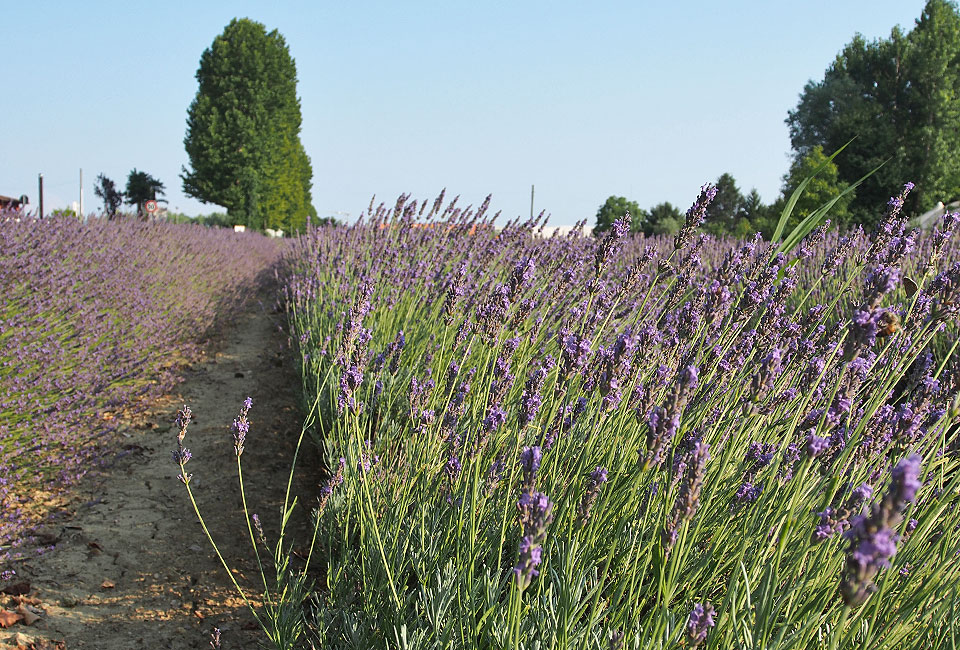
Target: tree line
<point>894,102</point>
<point>141,187</point>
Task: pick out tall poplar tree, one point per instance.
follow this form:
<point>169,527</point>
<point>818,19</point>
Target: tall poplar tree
<point>243,131</point>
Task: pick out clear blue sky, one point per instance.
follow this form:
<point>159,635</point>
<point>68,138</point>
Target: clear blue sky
<point>645,99</point>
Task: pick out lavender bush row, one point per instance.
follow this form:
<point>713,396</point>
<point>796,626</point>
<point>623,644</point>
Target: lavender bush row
<point>90,317</point>
<point>629,442</point>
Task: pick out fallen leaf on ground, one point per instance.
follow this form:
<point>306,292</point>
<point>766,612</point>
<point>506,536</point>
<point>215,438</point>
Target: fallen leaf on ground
<point>107,584</point>
<point>29,618</point>
<point>16,589</point>
<point>8,618</point>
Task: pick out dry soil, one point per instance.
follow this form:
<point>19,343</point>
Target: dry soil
<point>129,565</point>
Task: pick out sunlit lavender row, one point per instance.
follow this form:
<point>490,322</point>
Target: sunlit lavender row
<point>94,319</point>
<point>624,442</point>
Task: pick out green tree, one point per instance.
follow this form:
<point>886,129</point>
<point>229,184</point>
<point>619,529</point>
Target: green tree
<point>616,207</point>
<point>723,213</point>
<point>664,219</point>
<point>900,98</point>
<point>243,131</point>
<point>142,187</point>
<point>753,214</point>
<point>823,187</point>
<point>107,191</point>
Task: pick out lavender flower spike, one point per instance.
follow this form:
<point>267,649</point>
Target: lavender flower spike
<point>241,427</point>
<point>873,540</point>
<point>699,623</point>
<point>181,454</point>
<point>530,459</point>
<point>696,215</point>
<point>536,513</point>
<point>597,478</point>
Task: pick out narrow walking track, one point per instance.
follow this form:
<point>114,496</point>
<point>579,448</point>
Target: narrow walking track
<point>128,565</point>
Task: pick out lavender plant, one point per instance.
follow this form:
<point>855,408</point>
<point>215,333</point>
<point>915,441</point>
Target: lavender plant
<point>644,442</point>
<point>95,319</point>
<point>278,607</point>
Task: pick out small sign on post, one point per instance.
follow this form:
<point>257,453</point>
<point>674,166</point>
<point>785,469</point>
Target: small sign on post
<point>150,206</point>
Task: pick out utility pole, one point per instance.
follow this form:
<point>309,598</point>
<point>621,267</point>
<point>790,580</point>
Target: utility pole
<point>80,215</point>
<point>531,201</point>
<point>41,195</point>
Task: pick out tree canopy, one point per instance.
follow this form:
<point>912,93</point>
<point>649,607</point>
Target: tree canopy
<point>243,131</point>
<point>142,187</point>
<point>616,207</point>
<point>661,219</point>
<point>724,211</point>
<point>899,98</point>
<point>665,219</point>
<point>822,188</point>
<point>107,191</point>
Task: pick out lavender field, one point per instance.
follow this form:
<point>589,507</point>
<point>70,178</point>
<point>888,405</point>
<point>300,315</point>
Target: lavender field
<point>628,442</point>
<point>95,320</point>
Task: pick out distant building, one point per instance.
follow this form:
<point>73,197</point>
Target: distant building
<point>564,231</point>
<point>932,218</point>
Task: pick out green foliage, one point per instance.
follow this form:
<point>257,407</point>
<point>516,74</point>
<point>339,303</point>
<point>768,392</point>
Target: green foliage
<point>820,189</point>
<point>753,215</point>
<point>616,207</point>
<point>665,219</point>
<point>429,538</point>
<point>243,131</point>
<point>216,220</point>
<point>900,98</point>
<point>107,191</point>
<point>661,219</point>
<point>723,214</point>
<point>142,187</point>
<point>331,222</point>
<point>177,217</point>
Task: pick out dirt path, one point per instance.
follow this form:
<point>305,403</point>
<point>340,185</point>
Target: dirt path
<point>129,565</point>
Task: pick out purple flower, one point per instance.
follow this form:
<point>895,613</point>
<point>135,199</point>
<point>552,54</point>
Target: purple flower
<point>699,623</point>
<point>494,418</point>
<point>905,481</point>
<point>181,455</point>
<point>696,215</point>
<point>530,459</point>
<point>688,499</point>
<point>531,399</point>
<point>452,468</point>
<point>326,490</point>
<point>816,445</point>
<point>747,493</point>
<point>536,513</point>
<point>257,526</point>
<point>241,427</point>
<point>873,540</point>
